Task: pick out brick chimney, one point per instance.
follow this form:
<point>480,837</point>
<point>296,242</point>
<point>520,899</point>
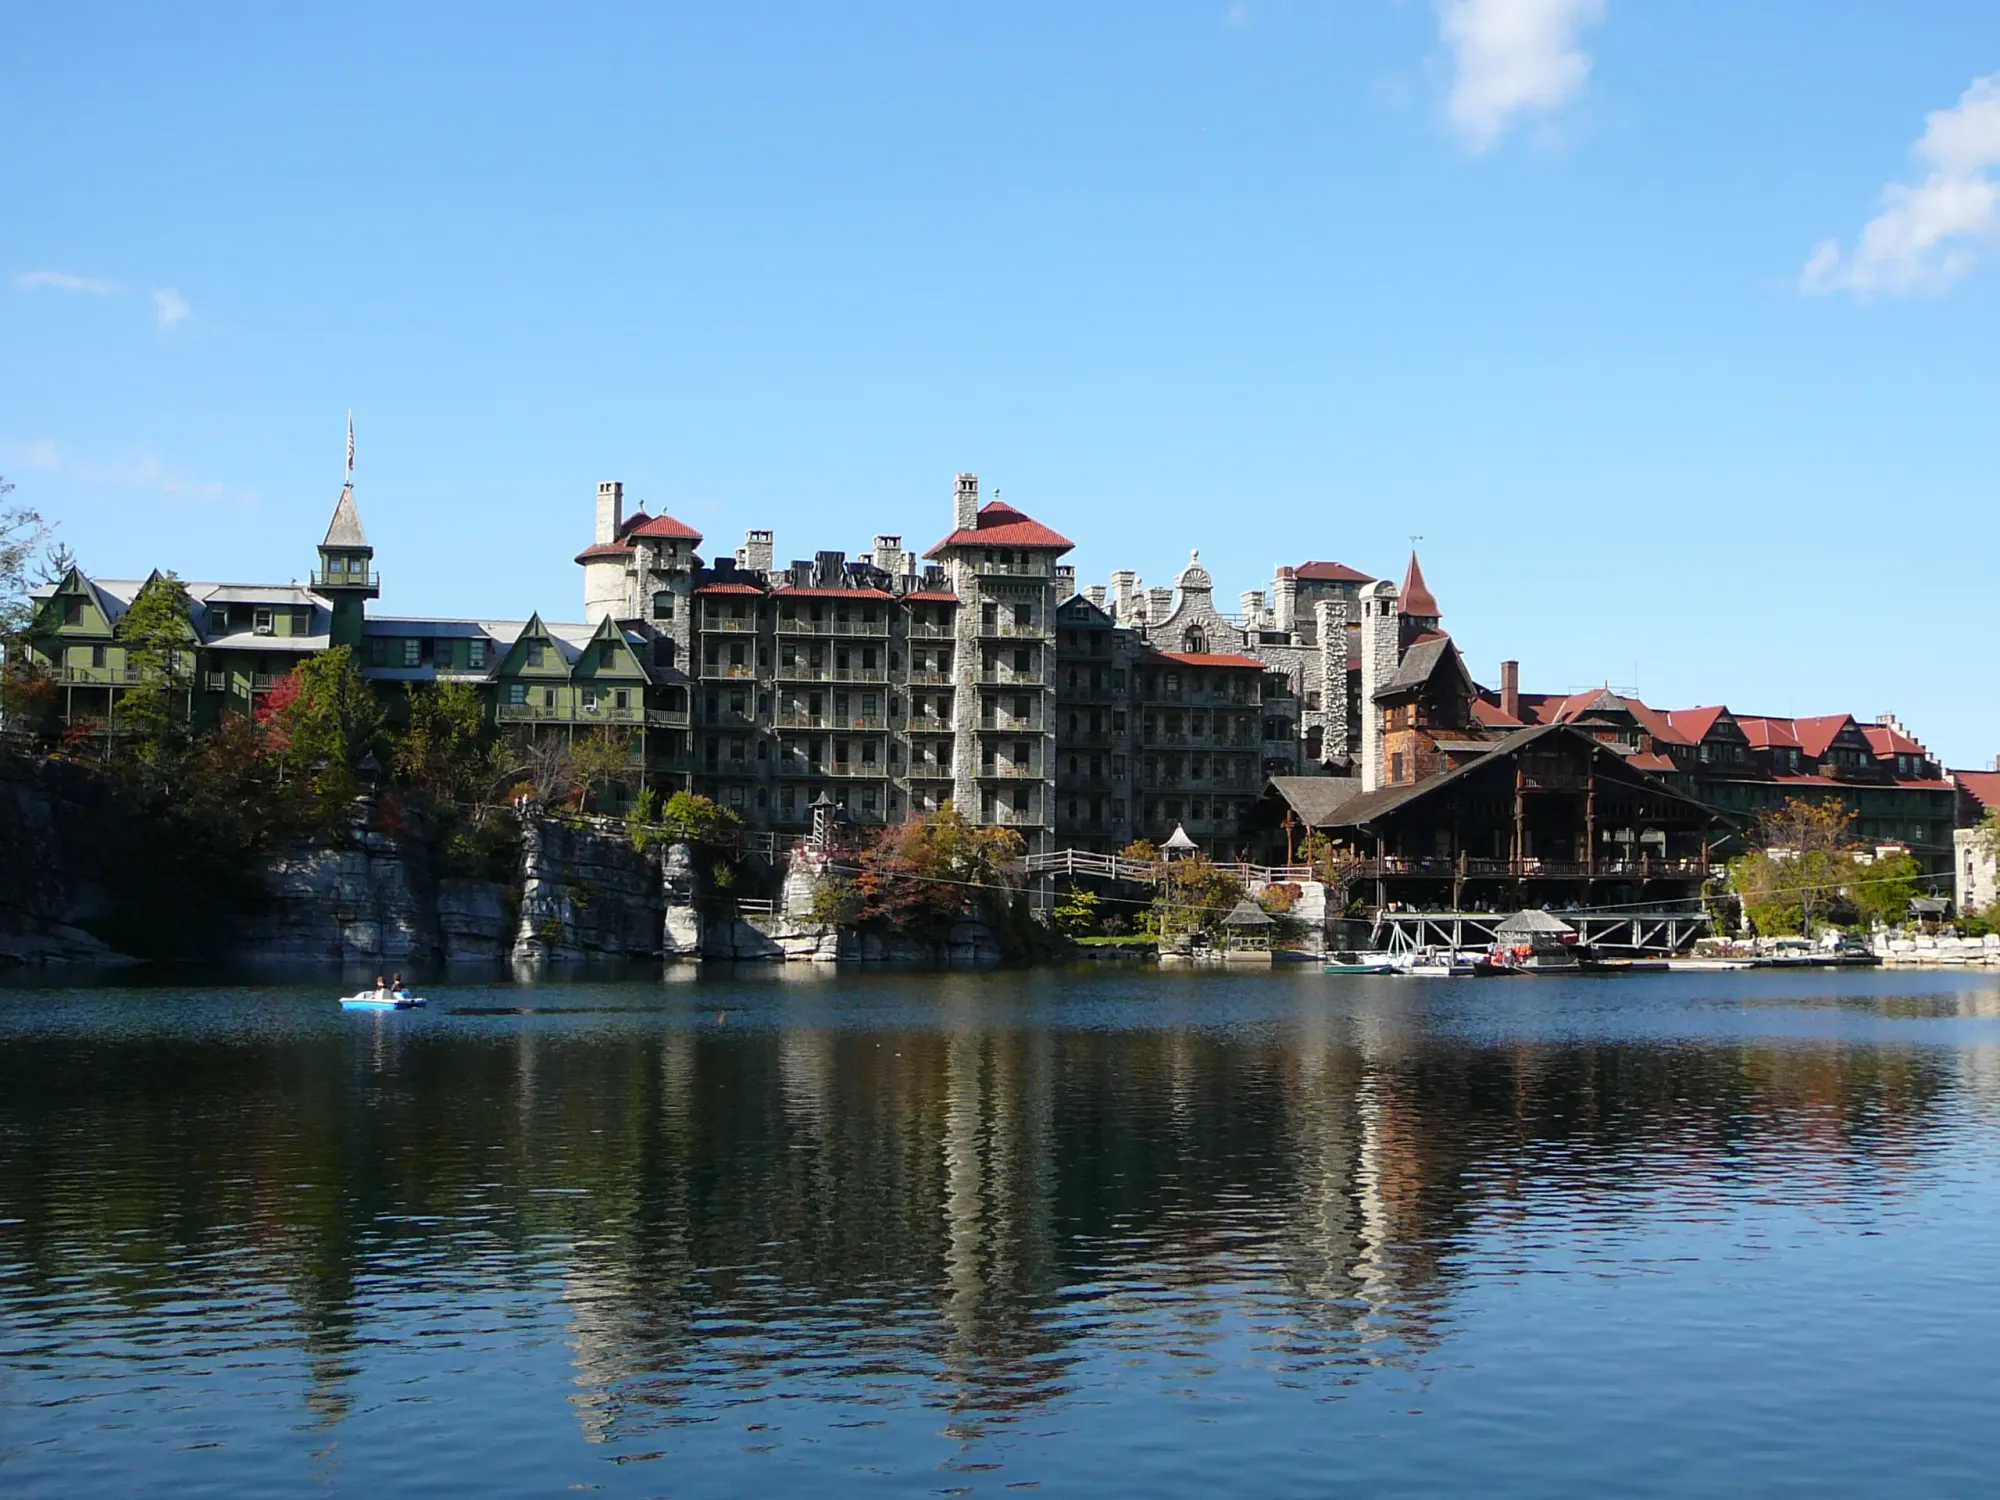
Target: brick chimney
<point>1510,689</point>
<point>965,503</point>
<point>610,510</point>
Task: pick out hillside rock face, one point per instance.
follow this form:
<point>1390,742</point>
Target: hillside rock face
<point>586,893</point>
<point>62,837</point>
<point>78,874</point>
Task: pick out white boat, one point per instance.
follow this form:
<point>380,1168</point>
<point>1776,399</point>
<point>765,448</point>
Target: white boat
<point>369,1000</point>
<point>1436,963</point>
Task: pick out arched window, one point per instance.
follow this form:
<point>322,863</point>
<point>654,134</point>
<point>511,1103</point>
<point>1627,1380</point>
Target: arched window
<point>1194,642</point>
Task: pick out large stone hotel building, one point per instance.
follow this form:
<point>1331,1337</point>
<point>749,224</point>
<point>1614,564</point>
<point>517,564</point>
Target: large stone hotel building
<point>978,672</point>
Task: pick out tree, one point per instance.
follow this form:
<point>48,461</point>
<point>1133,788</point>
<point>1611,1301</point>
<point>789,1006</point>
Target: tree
<point>919,876</point>
<point>440,749</point>
<point>601,758</point>
<point>1076,913</point>
<point>1194,894</point>
<point>158,635</point>
<point>691,818</point>
<point>21,531</point>
<point>1883,889</point>
<point>1802,860</point>
<point>326,721</point>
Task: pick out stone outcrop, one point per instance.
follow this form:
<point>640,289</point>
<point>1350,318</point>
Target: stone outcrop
<point>586,893</point>
<point>370,902</point>
<point>66,863</point>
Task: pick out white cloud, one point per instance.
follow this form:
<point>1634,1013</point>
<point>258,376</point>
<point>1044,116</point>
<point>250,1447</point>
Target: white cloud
<point>1511,56</point>
<point>63,281</point>
<point>169,307</point>
<point>1238,15</point>
<point>1930,233</point>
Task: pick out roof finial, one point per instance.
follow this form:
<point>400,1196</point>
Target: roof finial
<point>350,446</point>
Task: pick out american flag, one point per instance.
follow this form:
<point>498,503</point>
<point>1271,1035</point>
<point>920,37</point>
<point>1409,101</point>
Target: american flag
<point>350,442</point>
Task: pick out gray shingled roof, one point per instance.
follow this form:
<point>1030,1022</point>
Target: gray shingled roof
<point>345,528</point>
<point>1316,798</point>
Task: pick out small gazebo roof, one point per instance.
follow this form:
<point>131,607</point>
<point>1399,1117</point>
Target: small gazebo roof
<point>1248,914</point>
<point>1530,921</point>
<point>1180,843</point>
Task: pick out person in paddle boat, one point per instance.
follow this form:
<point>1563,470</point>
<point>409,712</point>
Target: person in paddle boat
<point>398,990</point>
<point>381,990</point>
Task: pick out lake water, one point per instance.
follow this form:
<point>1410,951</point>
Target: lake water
<point>1128,1233</point>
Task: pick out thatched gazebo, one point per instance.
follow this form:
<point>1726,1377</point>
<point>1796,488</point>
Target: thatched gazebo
<point>1249,927</point>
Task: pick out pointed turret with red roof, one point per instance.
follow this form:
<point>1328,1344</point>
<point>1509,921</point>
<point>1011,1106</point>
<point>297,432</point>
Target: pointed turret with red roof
<point>1417,605</point>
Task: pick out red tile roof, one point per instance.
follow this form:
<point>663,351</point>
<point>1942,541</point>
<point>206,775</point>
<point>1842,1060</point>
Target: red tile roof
<point>1428,635</point>
<point>604,550</point>
<point>632,523</point>
<point>1695,723</point>
<point>1000,525</point>
<point>1493,715</point>
<point>1982,786</point>
<point>1204,659</point>
<point>931,596</point>
<point>1329,572</point>
<point>791,591</point>
<point>1886,739</point>
<point>665,526</point>
<point>1816,734</point>
<point>1647,760</point>
<point>729,588</point>
<point>1417,598</point>
<point>1769,734</point>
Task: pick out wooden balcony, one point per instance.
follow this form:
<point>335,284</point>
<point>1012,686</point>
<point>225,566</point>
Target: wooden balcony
<point>863,629</point>
<point>805,672</point>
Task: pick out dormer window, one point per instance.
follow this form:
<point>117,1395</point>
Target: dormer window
<point>536,651</point>
<point>261,622</point>
<point>218,622</point>
<point>475,652</point>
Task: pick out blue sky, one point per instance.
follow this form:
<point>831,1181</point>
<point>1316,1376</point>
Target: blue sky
<point>1671,329</point>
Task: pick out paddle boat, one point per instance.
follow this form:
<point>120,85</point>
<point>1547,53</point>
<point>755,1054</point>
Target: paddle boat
<point>370,1000</point>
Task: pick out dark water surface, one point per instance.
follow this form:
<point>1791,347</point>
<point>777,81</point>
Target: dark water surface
<point>1120,1234</point>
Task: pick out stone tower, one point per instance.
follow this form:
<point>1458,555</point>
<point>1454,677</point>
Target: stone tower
<point>1381,650</point>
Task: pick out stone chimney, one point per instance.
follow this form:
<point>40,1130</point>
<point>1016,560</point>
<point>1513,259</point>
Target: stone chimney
<point>1095,594</point>
<point>1381,639</point>
<point>965,503</point>
<point>1159,603</point>
<point>889,555</point>
<point>1510,689</point>
<point>1065,581</point>
<point>1890,721</point>
<point>1124,588</point>
<point>1337,741</point>
<point>759,552</point>
<point>1285,599</point>
<point>610,510</point>
<point>1252,601</point>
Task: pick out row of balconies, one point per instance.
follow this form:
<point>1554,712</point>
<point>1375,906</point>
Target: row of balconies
<point>583,713</point>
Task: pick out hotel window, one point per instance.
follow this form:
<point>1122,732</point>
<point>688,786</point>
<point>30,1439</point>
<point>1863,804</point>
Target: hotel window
<point>517,693</point>
<point>97,656</point>
<point>72,610</point>
<point>378,651</point>
<point>412,652</point>
<point>536,651</point>
<point>261,622</point>
<point>218,622</point>
<point>475,652</point>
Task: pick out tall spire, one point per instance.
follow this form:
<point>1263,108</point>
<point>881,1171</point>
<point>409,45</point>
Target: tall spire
<point>1416,599</point>
<point>350,445</point>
